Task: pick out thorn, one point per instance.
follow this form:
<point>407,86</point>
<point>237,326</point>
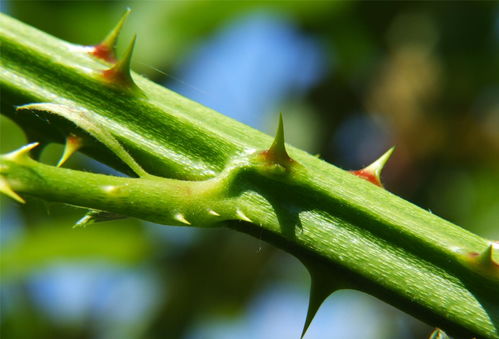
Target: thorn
<point>322,285</point>
<point>212,212</point>
<point>243,216</point>
<point>181,218</point>
<point>277,152</point>
<point>7,190</point>
<point>486,258</point>
<point>438,334</point>
<point>372,173</point>
<point>73,144</point>
<point>22,153</point>
<point>487,262</point>
<point>318,294</point>
<point>106,50</point>
<point>119,74</point>
<point>85,221</point>
<point>34,136</point>
<point>94,216</point>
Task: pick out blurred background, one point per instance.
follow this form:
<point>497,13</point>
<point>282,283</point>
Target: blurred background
<point>351,78</point>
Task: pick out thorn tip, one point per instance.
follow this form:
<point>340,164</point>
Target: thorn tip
<point>372,173</point>
<point>212,212</point>
<point>243,216</point>
<point>120,74</point>
<point>277,153</point>
<point>181,218</point>
<point>106,50</point>
<point>73,144</point>
<point>21,153</point>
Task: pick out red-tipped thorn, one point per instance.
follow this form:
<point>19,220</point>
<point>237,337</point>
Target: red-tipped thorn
<point>372,173</point>
<point>277,154</point>
<point>73,144</point>
<point>106,50</point>
<point>119,75</point>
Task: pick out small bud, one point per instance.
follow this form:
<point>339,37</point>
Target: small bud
<point>119,75</point>
<point>106,50</point>
<point>8,191</point>
<point>73,144</point>
<point>372,173</point>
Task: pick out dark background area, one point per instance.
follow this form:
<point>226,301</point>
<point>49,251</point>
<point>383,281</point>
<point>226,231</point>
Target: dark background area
<point>351,78</point>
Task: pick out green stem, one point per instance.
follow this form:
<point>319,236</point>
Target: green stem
<point>377,242</point>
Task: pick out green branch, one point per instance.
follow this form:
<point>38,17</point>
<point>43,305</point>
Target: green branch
<point>197,167</point>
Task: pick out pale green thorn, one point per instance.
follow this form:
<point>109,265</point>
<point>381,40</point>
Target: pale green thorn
<point>438,334</point>
<point>212,212</point>
<point>277,151</point>
<point>85,221</point>
<point>181,218</point>
<point>73,144</point>
<point>124,64</point>
<point>111,39</point>
<point>31,137</point>
<point>486,258</point>
<point>21,153</point>
<point>243,216</point>
<point>8,191</point>
<point>94,216</point>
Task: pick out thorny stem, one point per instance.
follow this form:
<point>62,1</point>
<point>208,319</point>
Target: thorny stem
<point>361,234</point>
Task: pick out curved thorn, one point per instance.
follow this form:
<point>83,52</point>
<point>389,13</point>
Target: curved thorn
<point>318,294</point>
<point>212,212</point>
<point>73,144</point>
<point>119,75</point>
<point>372,173</point>
<point>21,153</point>
<point>181,218</point>
<point>106,50</point>
<point>8,191</point>
<point>321,287</point>
<point>243,216</point>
